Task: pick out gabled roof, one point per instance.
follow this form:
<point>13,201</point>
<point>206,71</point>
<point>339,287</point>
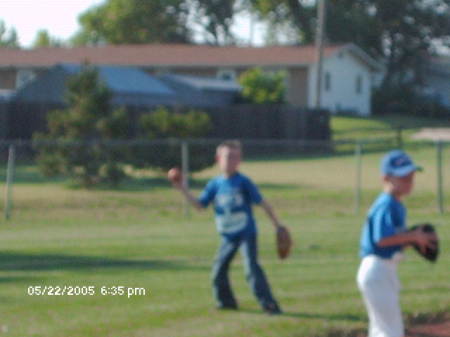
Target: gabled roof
<point>129,86</point>
<point>168,55</point>
<point>125,79</point>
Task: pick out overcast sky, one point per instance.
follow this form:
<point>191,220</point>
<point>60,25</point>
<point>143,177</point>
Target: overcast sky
<point>59,18</point>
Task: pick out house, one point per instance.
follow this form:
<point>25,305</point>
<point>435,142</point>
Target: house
<point>348,73</point>
<point>437,80</point>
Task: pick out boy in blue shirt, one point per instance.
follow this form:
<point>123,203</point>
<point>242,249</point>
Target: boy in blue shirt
<point>233,194</point>
<point>382,241</point>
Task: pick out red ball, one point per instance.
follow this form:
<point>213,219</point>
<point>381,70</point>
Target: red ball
<point>174,175</point>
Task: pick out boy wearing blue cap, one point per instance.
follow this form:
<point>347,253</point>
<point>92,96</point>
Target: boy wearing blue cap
<point>382,241</point>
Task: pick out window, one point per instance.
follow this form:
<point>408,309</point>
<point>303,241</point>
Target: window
<point>23,77</point>
<point>359,84</point>
<point>327,81</point>
<point>228,75</point>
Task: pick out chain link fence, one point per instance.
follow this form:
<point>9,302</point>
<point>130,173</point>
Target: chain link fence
<point>323,165</point>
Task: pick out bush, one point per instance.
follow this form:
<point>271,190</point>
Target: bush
<point>164,124</point>
<point>259,87</point>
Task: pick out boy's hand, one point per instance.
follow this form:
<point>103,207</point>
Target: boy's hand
<point>425,241</point>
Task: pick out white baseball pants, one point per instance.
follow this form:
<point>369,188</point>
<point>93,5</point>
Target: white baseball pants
<point>379,285</point>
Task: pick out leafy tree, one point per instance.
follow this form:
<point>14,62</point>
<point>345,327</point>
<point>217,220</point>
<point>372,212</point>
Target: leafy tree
<point>164,124</point>
<point>85,125</point>
<point>43,39</point>
<point>215,18</point>
<point>134,22</point>
<point>8,37</point>
<point>403,32</point>
<point>263,88</point>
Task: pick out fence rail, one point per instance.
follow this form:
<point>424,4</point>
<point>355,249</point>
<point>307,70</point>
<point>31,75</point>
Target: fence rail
<point>16,150</point>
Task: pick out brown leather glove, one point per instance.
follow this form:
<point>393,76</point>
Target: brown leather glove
<point>432,252</point>
<point>284,242</point>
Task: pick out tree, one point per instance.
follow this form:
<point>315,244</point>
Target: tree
<point>8,37</point>
<point>300,14</point>
<point>215,18</point>
<point>43,39</point>
<point>87,123</point>
<point>263,88</point>
<point>403,32</point>
<point>134,22</point>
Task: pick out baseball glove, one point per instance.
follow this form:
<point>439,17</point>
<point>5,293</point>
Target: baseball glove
<point>431,253</point>
<point>284,242</point>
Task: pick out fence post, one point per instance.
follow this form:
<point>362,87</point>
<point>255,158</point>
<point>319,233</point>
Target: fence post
<point>9,181</point>
<point>358,153</point>
<point>440,191</point>
<point>399,137</point>
<point>185,170</point>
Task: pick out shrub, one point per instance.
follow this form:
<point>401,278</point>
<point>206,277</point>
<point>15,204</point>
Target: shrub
<point>164,124</point>
<point>259,87</point>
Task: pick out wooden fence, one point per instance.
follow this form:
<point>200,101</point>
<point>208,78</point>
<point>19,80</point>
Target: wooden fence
<point>21,120</point>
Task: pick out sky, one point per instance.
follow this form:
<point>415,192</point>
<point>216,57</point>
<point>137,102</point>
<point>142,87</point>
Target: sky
<point>59,18</point>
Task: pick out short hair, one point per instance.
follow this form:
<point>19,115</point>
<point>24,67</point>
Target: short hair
<point>231,144</point>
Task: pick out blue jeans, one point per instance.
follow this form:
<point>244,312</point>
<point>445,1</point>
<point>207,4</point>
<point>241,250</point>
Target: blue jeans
<point>253,271</point>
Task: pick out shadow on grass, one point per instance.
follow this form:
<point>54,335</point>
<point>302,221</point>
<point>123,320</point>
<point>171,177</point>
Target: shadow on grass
<point>146,184</point>
<point>29,174</point>
<point>306,315</point>
<point>10,261</point>
<point>14,279</point>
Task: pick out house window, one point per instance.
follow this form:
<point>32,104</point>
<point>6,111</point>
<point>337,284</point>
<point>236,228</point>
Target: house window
<point>23,77</point>
<point>359,84</point>
<point>228,75</point>
<point>327,81</point>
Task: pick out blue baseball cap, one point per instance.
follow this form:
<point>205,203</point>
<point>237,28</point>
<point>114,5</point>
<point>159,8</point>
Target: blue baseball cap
<point>397,163</point>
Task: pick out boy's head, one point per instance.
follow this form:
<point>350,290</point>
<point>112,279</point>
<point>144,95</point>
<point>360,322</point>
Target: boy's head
<point>228,156</point>
<point>398,171</point>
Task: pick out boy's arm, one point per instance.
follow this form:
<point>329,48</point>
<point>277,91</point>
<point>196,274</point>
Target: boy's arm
<point>418,237</point>
<point>188,195</point>
<point>270,213</point>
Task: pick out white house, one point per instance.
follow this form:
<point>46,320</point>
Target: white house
<point>347,77</point>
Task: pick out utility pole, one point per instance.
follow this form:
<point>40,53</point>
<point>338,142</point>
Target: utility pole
<point>252,30</point>
<point>321,20</point>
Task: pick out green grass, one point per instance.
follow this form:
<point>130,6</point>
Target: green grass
<point>136,236</point>
<point>342,124</point>
<point>379,133</point>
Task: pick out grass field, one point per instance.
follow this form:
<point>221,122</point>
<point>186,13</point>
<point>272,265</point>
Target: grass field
<point>137,237</point>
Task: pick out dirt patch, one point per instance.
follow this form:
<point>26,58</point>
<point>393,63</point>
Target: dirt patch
<point>437,325</point>
<point>423,325</point>
<point>430,330</point>
<point>433,134</point>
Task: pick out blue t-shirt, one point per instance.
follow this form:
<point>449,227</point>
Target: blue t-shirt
<point>233,198</point>
<point>386,217</point>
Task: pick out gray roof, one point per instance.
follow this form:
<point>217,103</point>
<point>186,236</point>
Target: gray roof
<point>205,83</point>
<point>202,92</point>
<point>129,85</point>
<point>126,79</point>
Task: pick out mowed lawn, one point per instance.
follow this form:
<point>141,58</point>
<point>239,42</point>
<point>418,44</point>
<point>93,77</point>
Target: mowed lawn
<point>137,237</point>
